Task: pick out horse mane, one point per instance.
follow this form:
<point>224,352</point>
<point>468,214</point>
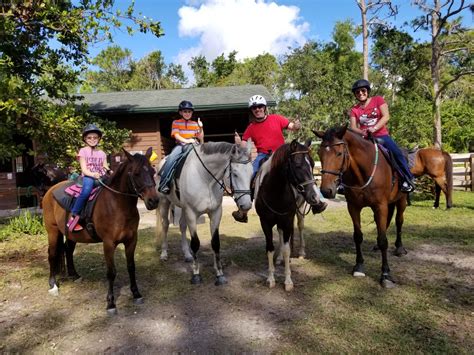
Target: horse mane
<point>280,156</point>
<point>216,148</point>
<point>138,160</point>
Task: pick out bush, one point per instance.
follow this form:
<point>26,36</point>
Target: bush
<point>26,223</point>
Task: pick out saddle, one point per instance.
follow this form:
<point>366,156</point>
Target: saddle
<point>390,158</point>
<point>66,196</point>
<point>176,169</point>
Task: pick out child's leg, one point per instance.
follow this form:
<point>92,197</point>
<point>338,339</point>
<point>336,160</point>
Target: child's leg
<point>87,185</point>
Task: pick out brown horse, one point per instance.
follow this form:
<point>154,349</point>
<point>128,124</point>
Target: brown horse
<point>369,181</point>
<point>115,218</point>
<point>438,165</point>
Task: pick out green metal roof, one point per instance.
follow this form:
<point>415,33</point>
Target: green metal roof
<point>210,98</point>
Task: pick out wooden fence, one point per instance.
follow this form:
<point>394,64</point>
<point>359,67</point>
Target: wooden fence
<point>463,171</point>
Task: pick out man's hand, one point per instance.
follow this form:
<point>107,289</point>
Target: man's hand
<point>199,122</point>
<point>237,139</point>
<point>296,124</point>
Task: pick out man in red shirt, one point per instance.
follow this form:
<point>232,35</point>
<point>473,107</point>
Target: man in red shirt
<point>266,131</point>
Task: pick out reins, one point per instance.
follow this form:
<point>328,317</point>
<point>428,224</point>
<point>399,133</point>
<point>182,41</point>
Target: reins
<point>222,184</point>
<point>136,194</point>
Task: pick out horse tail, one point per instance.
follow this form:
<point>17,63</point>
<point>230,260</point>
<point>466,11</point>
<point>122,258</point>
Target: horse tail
<point>448,170</point>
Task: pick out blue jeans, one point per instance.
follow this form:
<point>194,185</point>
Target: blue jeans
<point>170,164</point>
<point>390,144</point>
<point>87,186</point>
<point>256,162</point>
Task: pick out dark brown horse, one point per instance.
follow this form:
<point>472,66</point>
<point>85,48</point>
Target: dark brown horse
<point>115,219</point>
<point>287,175</point>
<point>46,175</point>
<point>369,181</point>
<point>438,165</point>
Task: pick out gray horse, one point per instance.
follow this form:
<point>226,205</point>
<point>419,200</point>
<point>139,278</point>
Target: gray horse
<point>209,169</point>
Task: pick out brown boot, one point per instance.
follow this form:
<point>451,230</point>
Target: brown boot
<point>319,208</point>
<point>240,216</point>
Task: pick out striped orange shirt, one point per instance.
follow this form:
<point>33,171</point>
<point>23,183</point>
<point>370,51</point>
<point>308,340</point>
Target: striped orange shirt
<point>186,129</point>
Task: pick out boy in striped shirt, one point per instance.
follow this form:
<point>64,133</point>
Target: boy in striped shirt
<point>185,131</point>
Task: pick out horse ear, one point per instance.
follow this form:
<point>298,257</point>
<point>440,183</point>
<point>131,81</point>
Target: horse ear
<point>308,142</point>
<point>249,146</point>
<point>341,131</point>
<point>127,154</point>
<point>293,145</point>
<point>148,153</point>
<point>319,134</point>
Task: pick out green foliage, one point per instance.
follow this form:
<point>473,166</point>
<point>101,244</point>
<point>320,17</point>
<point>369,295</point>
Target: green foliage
<point>25,223</point>
<point>43,48</point>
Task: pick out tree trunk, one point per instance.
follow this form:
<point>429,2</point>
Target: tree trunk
<point>435,76</point>
<point>365,37</point>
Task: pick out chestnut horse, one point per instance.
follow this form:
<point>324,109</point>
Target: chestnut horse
<point>369,181</point>
<point>115,218</point>
<point>282,179</point>
<point>438,165</point>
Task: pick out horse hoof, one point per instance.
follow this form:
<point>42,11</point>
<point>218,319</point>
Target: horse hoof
<point>78,279</point>
<point>289,287</point>
<point>220,280</point>
<point>400,251</point>
<point>196,279</point>
<point>375,248</point>
<point>164,257</point>
<point>112,311</point>
<point>271,284</point>
<point>358,271</point>
<point>54,291</point>
<point>302,257</point>
<point>387,283</point>
<point>138,300</point>
<point>188,259</point>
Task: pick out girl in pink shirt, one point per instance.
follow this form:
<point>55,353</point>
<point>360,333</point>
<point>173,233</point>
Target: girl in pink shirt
<point>93,165</point>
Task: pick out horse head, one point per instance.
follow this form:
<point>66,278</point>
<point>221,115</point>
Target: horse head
<point>140,177</point>
<point>240,175</point>
<point>300,169</point>
<point>334,158</point>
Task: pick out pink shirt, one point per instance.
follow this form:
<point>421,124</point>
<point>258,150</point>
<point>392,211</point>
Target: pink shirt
<point>267,135</point>
<point>95,159</point>
<point>369,116</point>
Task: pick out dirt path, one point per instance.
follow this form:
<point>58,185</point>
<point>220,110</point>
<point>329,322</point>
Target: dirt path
<point>244,316</point>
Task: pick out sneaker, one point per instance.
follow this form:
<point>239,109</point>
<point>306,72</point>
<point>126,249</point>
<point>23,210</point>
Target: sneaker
<point>164,190</point>
<point>319,208</point>
<point>240,216</point>
<point>73,224</point>
<point>406,187</point>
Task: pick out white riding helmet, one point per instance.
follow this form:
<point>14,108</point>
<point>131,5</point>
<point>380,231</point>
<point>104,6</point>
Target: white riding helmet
<point>256,100</point>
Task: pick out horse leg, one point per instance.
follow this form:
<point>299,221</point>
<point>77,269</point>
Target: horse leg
<point>70,246</point>
<point>184,242</point>
<point>399,249</point>
<point>286,233</point>
<point>215,219</point>
<point>380,214</point>
<point>358,269</point>
<point>55,254</point>
<point>162,220</point>
<point>130,246</point>
<point>270,249</point>
<point>437,194</point>
<point>195,244</point>
<point>279,257</point>
<point>109,250</point>
<point>300,225</point>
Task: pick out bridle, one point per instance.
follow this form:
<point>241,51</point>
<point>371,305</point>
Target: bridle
<point>298,186</point>
<point>345,165</point>
<point>222,184</point>
<point>138,192</point>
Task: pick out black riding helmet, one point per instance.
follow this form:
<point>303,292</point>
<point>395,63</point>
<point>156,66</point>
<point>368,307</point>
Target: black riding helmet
<point>185,105</point>
<point>362,83</point>
<point>91,128</point>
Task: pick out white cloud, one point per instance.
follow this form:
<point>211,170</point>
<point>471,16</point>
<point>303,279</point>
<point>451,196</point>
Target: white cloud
<point>251,27</point>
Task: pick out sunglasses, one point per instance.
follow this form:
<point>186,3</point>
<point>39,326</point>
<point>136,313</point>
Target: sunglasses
<point>257,106</point>
<point>360,91</point>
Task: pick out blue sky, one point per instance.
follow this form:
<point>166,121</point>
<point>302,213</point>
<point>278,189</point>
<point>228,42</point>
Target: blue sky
<point>252,27</point>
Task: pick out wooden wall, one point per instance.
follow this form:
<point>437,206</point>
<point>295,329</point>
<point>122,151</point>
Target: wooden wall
<point>8,191</point>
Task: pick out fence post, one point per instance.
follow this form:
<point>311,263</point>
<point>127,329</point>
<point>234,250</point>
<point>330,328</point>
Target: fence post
<point>471,163</point>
